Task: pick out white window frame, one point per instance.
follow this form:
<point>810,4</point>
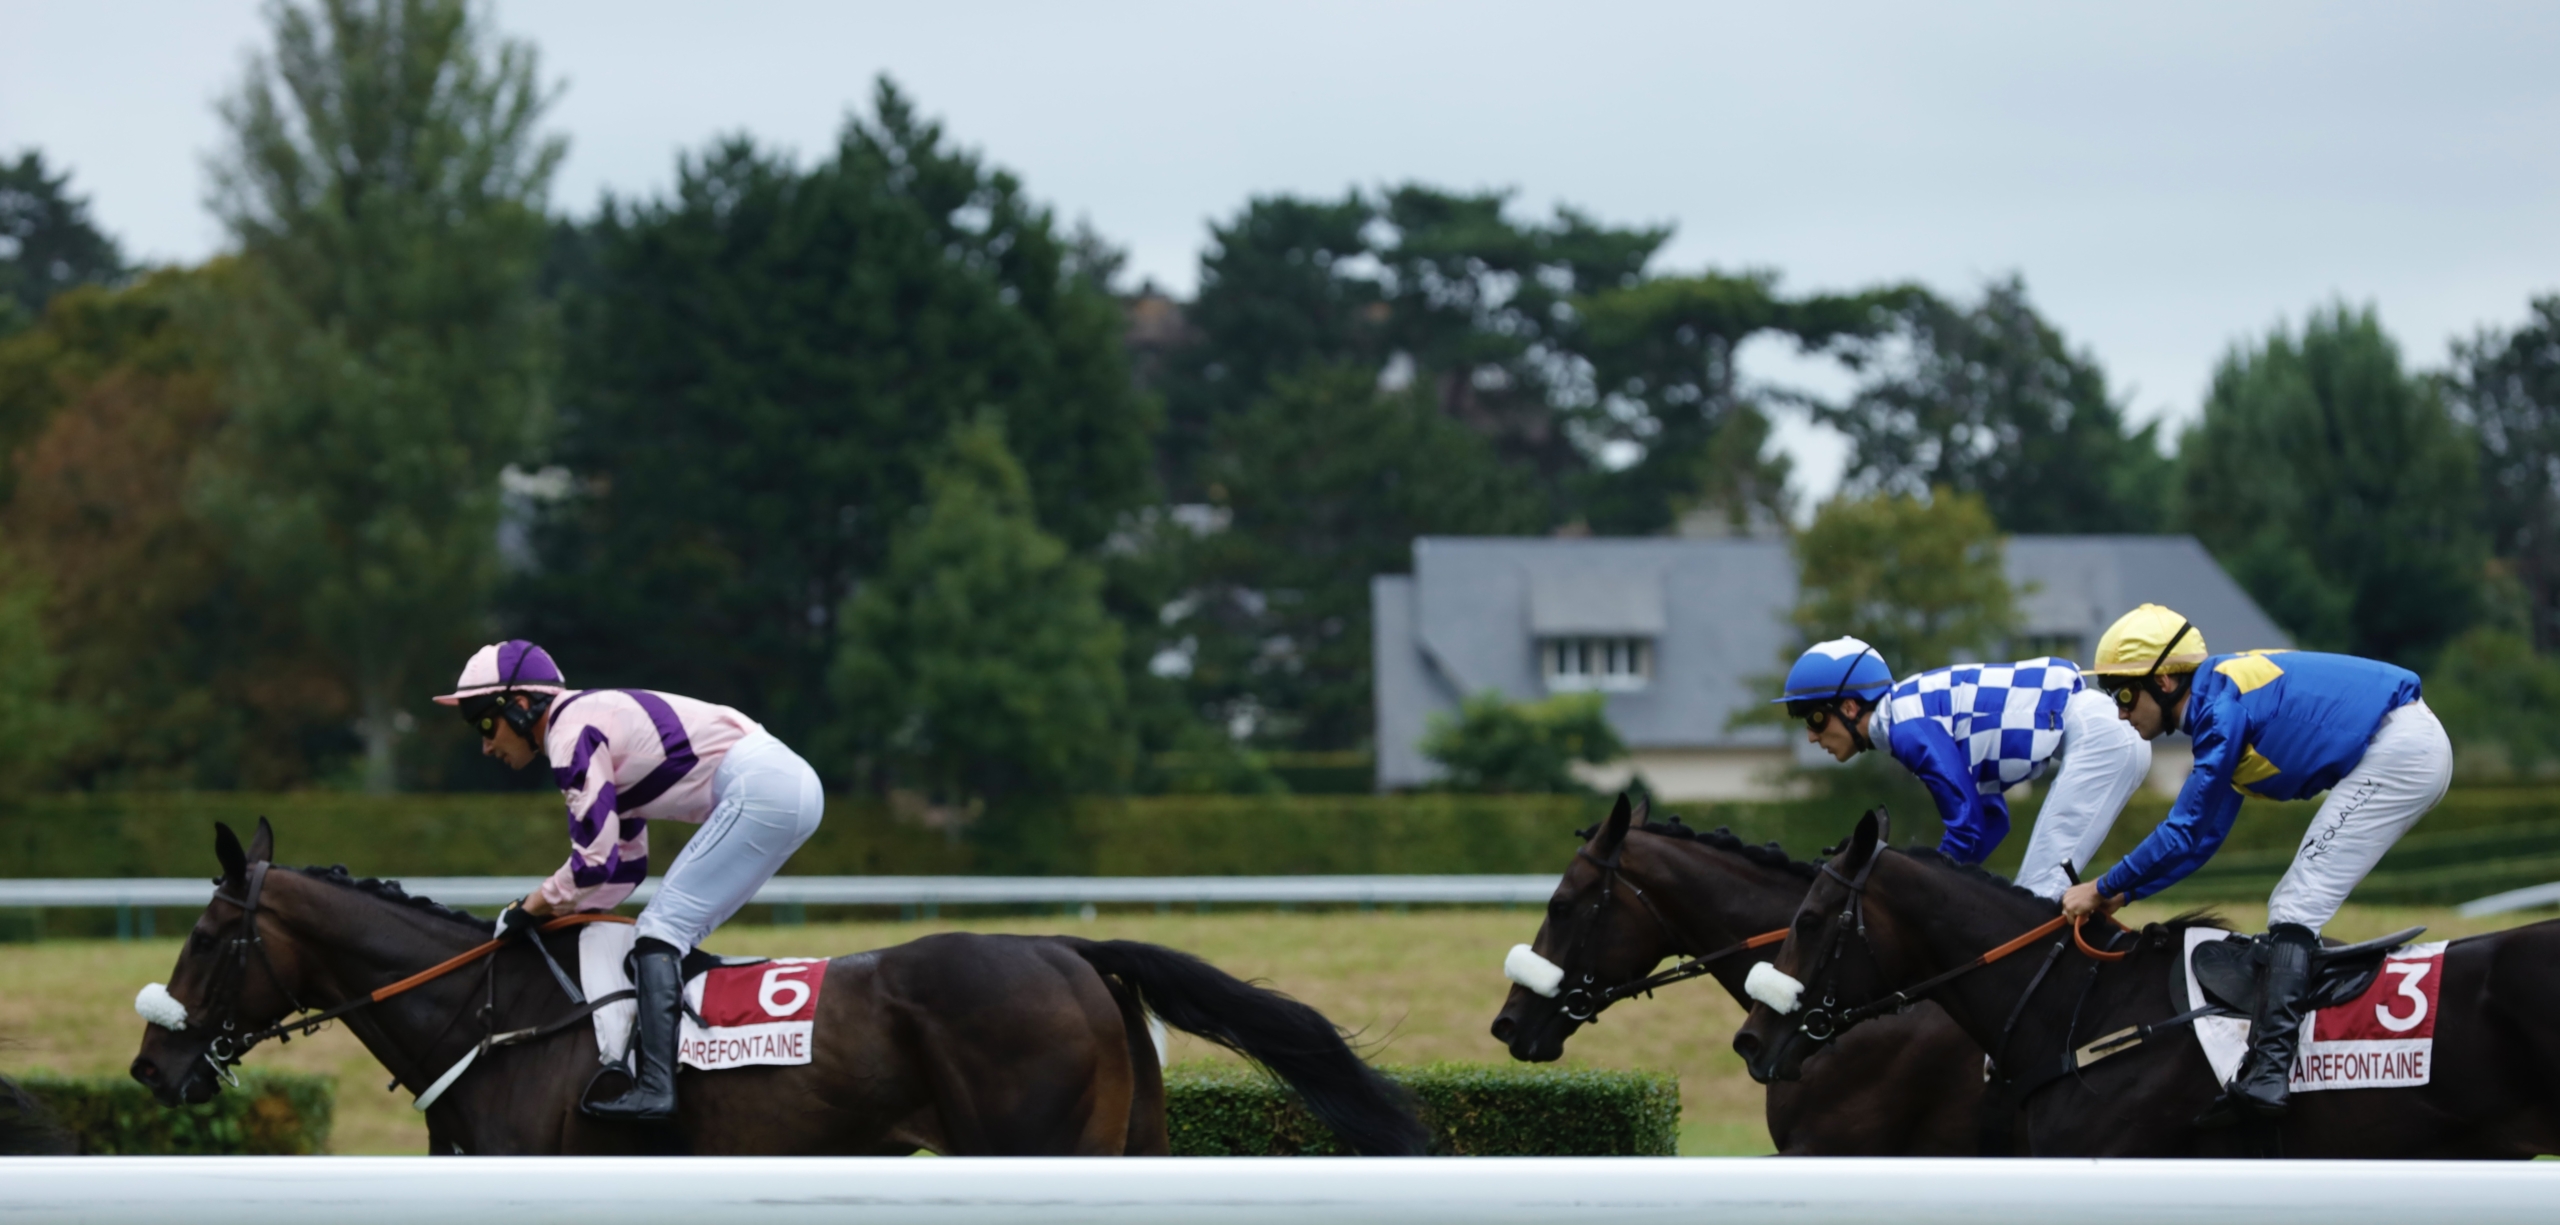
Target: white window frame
<point>1587,663</point>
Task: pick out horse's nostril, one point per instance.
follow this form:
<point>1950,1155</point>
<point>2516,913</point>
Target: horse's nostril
<point>1747,1046</point>
<point>146,1071</point>
<point>1502,1029</point>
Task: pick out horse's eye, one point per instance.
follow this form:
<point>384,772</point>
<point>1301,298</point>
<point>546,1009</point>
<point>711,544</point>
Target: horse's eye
<point>1808,923</point>
<point>199,941</point>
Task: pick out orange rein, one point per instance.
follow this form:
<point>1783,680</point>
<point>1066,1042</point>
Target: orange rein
<point>1765,939</point>
<point>459,960</point>
<point>2047,928</point>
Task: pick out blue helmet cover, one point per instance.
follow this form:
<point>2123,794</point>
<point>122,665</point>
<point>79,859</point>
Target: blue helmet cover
<point>1840,668</point>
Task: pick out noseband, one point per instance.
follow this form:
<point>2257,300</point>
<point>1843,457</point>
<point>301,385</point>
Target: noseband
<point>1587,1000</point>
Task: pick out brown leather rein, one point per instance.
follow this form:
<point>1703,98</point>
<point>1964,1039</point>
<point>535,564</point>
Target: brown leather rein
<point>229,1045</point>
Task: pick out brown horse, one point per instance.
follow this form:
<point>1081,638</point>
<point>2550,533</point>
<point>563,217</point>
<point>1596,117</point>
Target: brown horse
<point>957,1044</point>
<point>1909,1085</point>
<point>1880,921</point>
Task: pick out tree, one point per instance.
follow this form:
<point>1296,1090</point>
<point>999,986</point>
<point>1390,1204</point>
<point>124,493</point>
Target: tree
<point>1922,580</point>
<point>761,369</point>
<point>385,182</point>
<point>2506,387</point>
<point>1325,483</point>
<point>1444,292</point>
<point>47,242</point>
<point>34,731</point>
<point>2338,490</point>
<point>1663,360</point>
<point>172,668</point>
<point>1498,746</point>
<point>978,665</point>
<point>1990,400</point>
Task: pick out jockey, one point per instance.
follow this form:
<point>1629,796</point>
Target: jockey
<point>1973,731</point>
<point>2279,725</point>
<point>624,757</point>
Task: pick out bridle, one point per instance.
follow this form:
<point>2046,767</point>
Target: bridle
<point>1828,1020</point>
<point>1586,999</point>
<point>230,1044</point>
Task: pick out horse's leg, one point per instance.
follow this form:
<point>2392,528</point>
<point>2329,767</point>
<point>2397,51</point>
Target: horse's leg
<point>1899,1086</point>
<point>1147,1136</point>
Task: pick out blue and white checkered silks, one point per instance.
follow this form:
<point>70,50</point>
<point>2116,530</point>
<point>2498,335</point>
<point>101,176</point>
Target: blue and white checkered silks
<point>2008,717</point>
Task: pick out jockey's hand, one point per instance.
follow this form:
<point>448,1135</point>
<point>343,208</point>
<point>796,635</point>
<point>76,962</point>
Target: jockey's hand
<point>2081,901</point>
<point>516,917</point>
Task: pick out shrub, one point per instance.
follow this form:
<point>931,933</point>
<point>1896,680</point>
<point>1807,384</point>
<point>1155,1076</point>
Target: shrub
<point>270,1113</point>
<point>1473,1110</point>
<point>1500,746</point>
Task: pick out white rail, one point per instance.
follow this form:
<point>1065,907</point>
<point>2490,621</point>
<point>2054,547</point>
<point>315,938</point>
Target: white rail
<point>889,890</point>
<point>2512,899</point>
<point>1265,1191</point>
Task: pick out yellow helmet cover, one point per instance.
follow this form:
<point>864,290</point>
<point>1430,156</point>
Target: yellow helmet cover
<point>2141,640</point>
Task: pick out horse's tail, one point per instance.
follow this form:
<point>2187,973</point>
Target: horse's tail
<point>1371,1114</point>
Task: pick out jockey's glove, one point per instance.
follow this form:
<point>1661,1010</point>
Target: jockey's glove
<point>516,918</point>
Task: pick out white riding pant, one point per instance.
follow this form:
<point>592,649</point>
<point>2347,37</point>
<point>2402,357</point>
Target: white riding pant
<point>766,801</point>
<point>2405,771</point>
<point>2103,760</point>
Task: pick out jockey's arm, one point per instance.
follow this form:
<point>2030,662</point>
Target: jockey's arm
<point>1974,823</point>
<point>2196,824</point>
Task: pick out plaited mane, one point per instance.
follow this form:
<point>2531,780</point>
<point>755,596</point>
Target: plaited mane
<point>390,891</point>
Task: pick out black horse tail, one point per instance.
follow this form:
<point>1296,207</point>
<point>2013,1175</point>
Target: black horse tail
<point>1374,1116</point>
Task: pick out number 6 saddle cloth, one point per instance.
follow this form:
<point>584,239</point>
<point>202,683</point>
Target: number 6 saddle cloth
<point>2382,1038</point>
<point>738,1013</point>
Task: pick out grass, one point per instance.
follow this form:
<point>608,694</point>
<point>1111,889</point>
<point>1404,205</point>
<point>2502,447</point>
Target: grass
<point>1418,987</point>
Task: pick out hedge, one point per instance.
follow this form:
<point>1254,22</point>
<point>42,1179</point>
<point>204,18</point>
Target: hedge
<point>2478,841</point>
<point>272,1113</point>
<point>1473,1110</point>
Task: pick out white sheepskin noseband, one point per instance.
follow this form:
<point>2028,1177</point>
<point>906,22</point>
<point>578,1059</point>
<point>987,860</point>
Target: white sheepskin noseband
<point>1772,986</point>
<point>161,1008</point>
<point>1525,967</point>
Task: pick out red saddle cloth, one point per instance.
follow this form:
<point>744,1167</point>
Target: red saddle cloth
<point>2382,1039</point>
<point>765,1013</point>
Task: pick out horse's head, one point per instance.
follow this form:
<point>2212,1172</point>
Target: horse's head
<point>1596,934</point>
<point>1840,953</point>
<point>230,980</point>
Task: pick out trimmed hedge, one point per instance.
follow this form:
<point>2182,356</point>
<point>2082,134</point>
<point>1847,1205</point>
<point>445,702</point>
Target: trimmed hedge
<point>271,1113</point>
<point>1473,1110</point>
<point>2478,841</point>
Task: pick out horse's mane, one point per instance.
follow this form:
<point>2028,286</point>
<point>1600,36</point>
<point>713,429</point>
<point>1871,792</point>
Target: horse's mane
<point>2202,916</point>
<point>389,891</point>
<point>1720,838</point>
<point>1931,855</point>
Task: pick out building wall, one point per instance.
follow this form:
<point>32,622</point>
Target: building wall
<point>1693,775</point>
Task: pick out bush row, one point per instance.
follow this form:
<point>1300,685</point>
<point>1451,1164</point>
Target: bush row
<point>1211,1109</point>
<point>2479,840</point>
<point>275,1113</point>
<point>1473,1110</point>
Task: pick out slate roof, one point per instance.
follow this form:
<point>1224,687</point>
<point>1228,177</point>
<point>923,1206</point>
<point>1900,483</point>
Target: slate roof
<point>1470,615</point>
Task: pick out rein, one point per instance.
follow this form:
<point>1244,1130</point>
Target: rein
<point>1583,1003</point>
<point>1829,1020</point>
<point>230,1046</point>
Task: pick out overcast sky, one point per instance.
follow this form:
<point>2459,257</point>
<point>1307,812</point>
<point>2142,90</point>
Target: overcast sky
<point>2167,177</point>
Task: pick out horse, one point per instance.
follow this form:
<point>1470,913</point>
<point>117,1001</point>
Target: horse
<point>1640,891</point>
<point>2104,1061</point>
<point>954,1043</point>
<point>27,1129</point>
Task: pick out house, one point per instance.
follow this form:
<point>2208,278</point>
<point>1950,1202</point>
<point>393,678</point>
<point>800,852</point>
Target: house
<point>1685,634</point>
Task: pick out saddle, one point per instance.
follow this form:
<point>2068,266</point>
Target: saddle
<point>2227,969</point>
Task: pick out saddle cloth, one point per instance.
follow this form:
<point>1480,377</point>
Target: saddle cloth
<point>2382,1039</point>
<point>737,1013</point>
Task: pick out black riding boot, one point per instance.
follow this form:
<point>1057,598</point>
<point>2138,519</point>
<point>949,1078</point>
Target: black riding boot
<point>2266,1077</point>
<point>2265,1081</point>
<point>657,969</point>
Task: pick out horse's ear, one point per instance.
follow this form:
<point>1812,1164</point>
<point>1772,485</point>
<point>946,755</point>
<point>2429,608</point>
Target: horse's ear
<point>226,847</point>
<point>1615,831</point>
<point>262,845</point>
<point>1862,842</point>
<point>1643,811</point>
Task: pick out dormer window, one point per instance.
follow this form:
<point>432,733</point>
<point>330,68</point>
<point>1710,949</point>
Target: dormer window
<point>1612,664</point>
